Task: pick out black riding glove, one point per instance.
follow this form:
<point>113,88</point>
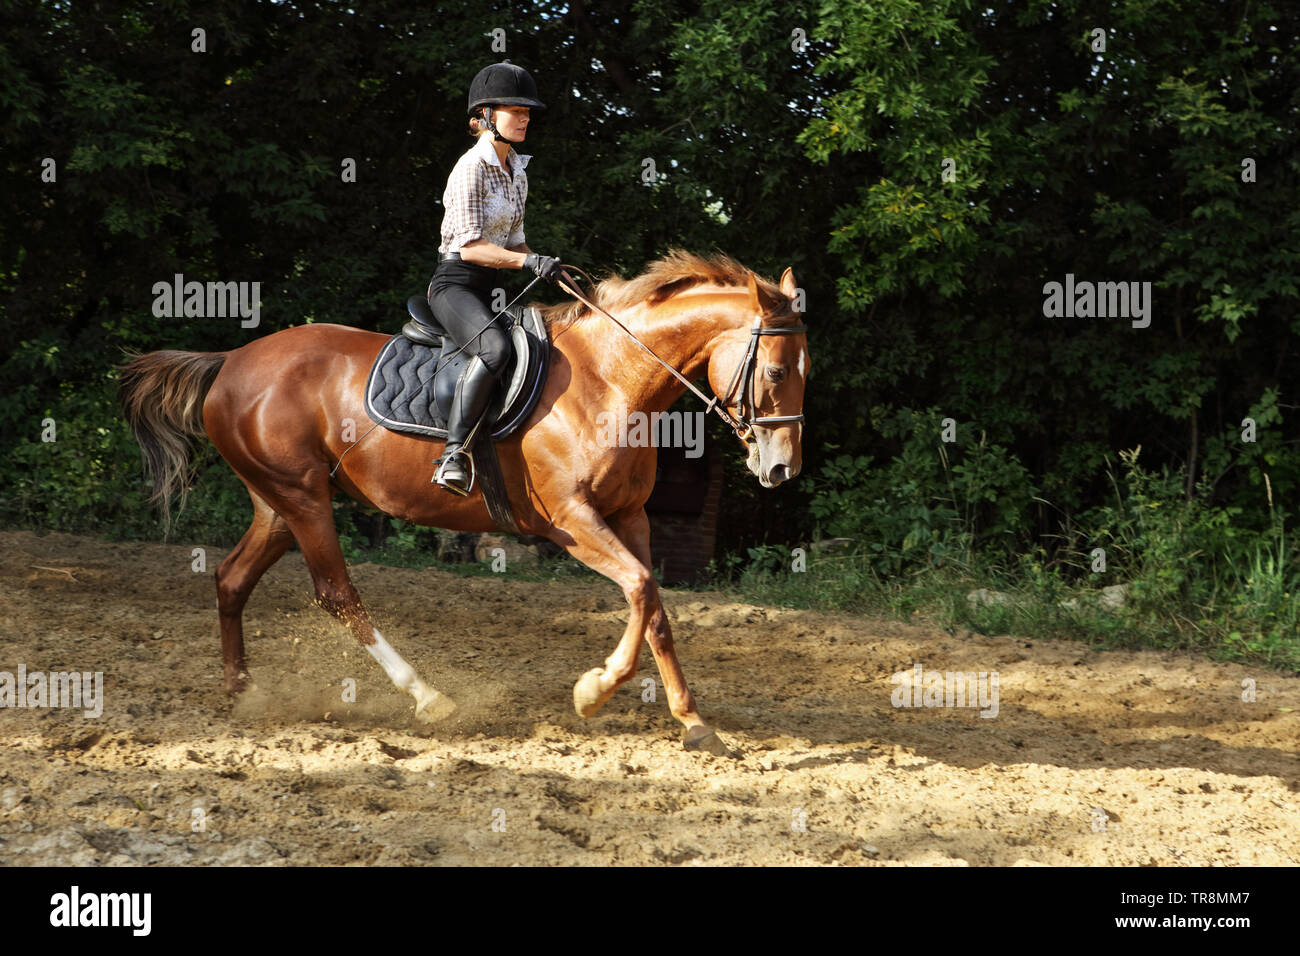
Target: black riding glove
<point>545,266</point>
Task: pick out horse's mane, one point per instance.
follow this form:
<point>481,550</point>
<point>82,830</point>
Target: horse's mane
<point>671,273</point>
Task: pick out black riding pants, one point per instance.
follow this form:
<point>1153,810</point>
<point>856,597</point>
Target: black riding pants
<point>460,296</point>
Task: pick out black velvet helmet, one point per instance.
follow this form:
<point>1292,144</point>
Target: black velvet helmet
<point>504,84</point>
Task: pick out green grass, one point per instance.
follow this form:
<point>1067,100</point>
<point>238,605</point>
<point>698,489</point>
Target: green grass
<point>1253,620</point>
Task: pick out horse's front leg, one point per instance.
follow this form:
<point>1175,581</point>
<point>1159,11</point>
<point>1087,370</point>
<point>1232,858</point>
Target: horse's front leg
<point>620,550</point>
<point>596,686</point>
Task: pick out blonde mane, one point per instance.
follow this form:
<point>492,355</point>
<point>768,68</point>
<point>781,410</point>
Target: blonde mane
<point>673,272</point>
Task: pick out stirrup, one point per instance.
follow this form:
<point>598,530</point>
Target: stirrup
<point>439,477</point>
<point>465,448</point>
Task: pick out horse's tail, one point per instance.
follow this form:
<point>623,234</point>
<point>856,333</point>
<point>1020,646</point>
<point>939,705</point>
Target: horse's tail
<point>162,396</point>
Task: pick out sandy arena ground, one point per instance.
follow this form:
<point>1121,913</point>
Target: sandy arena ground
<point>1126,758</point>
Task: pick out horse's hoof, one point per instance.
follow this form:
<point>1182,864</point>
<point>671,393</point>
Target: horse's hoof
<point>237,684</point>
<point>704,738</point>
<point>588,697</point>
<point>435,708</point>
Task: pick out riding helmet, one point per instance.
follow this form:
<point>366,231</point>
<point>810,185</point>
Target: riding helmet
<point>505,84</point>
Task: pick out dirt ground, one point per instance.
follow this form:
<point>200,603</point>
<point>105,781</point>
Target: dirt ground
<point>1126,758</point>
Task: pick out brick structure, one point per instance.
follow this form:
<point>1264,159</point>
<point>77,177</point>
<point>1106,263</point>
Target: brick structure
<point>683,511</point>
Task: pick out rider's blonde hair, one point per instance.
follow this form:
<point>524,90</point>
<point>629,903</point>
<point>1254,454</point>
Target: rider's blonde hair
<point>476,125</point>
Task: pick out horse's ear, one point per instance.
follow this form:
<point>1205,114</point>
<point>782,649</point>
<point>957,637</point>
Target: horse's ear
<point>787,283</point>
<point>754,305</point>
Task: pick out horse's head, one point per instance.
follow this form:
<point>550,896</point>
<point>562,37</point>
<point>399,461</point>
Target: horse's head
<point>759,370</point>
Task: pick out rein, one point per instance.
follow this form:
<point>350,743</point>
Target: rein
<point>741,424</point>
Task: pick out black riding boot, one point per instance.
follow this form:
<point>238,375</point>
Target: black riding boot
<point>473,393</point>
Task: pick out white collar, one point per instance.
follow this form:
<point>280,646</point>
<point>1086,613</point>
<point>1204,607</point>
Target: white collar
<point>488,153</point>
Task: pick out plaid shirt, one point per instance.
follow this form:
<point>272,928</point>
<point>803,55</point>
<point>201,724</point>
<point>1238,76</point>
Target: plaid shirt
<point>482,201</point>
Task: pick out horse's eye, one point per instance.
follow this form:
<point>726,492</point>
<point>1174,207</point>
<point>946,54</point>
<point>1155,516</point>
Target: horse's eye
<point>775,373</point>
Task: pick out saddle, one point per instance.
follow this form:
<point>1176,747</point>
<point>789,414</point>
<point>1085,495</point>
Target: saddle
<point>413,379</point>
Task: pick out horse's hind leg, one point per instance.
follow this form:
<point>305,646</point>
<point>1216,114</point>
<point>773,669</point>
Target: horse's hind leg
<point>312,524</point>
<point>264,543</point>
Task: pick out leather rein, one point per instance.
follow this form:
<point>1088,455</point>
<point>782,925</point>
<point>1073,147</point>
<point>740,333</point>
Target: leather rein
<point>741,423</point>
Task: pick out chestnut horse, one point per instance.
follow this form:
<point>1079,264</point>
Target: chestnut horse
<point>276,410</point>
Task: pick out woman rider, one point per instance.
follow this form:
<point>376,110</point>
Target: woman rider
<point>482,233</point>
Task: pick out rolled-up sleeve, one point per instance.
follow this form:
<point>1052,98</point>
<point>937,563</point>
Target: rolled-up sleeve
<point>463,202</point>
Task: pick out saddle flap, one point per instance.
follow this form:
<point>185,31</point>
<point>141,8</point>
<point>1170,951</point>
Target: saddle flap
<point>412,382</point>
<point>518,370</point>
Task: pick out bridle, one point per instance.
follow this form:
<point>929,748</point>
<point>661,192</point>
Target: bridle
<point>742,423</point>
<point>744,380</point>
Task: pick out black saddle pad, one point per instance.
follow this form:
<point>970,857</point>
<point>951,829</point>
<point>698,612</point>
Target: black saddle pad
<point>411,385</point>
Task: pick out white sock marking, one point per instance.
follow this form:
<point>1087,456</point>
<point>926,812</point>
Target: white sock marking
<point>399,672</point>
